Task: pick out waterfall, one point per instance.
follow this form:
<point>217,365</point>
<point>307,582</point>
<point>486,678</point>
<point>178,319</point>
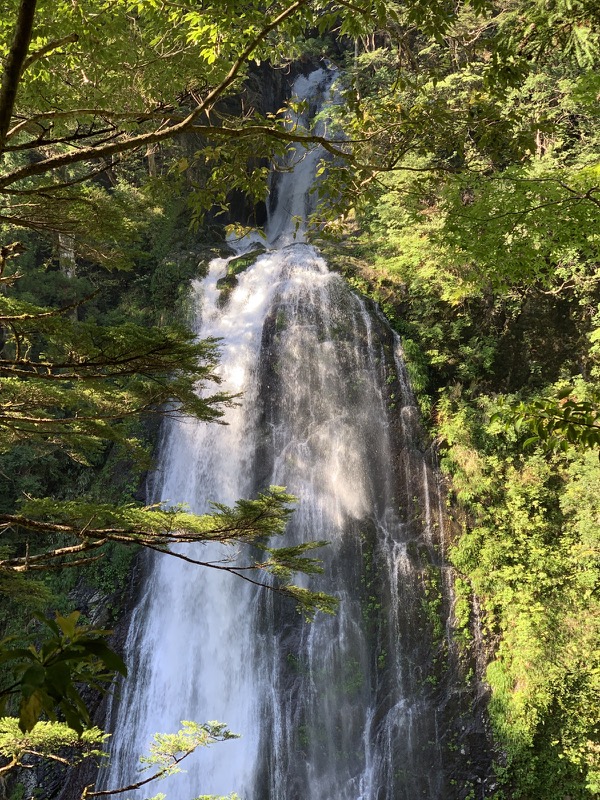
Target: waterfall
<point>345,707</point>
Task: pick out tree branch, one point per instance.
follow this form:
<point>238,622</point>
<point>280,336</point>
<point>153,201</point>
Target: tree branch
<point>79,562</point>
<point>59,552</point>
<point>14,762</point>
<point>132,535</point>
<point>69,139</point>
<point>48,48</point>
<point>162,114</point>
<point>132,787</point>
<point>56,312</point>
<point>285,136</point>
<point>233,570</point>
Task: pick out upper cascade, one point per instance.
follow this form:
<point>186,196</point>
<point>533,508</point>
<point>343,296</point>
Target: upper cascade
<point>293,181</point>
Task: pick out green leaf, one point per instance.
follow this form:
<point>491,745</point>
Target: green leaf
<point>72,718</point>
<point>531,441</point>
<point>18,653</point>
<point>33,678</point>
<point>30,709</point>
<point>109,658</point>
<point>68,625</point>
<point>58,679</point>
<point>564,393</point>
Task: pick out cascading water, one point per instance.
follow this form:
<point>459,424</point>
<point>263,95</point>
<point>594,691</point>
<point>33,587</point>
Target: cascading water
<point>343,708</point>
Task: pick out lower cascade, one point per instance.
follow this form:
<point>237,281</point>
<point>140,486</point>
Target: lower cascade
<point>351,706</point>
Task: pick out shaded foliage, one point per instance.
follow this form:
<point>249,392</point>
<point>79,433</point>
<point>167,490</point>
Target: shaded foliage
<point>46,676</point>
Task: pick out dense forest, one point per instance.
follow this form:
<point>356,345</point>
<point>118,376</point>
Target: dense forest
<point>460,190</point>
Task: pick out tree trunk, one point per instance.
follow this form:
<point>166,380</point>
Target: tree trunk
<point>14,65</point>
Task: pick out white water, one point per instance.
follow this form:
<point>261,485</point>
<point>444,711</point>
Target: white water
<point>334,710</point>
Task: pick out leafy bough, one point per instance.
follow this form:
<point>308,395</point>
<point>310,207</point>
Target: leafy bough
<point>167,751</point>
<point>556,422</point>
<point>87,528</point>
<point>53,740</point>
<point>47,678</point>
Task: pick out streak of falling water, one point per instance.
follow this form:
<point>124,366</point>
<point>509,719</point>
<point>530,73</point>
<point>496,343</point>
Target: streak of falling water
<point>335,710</point>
